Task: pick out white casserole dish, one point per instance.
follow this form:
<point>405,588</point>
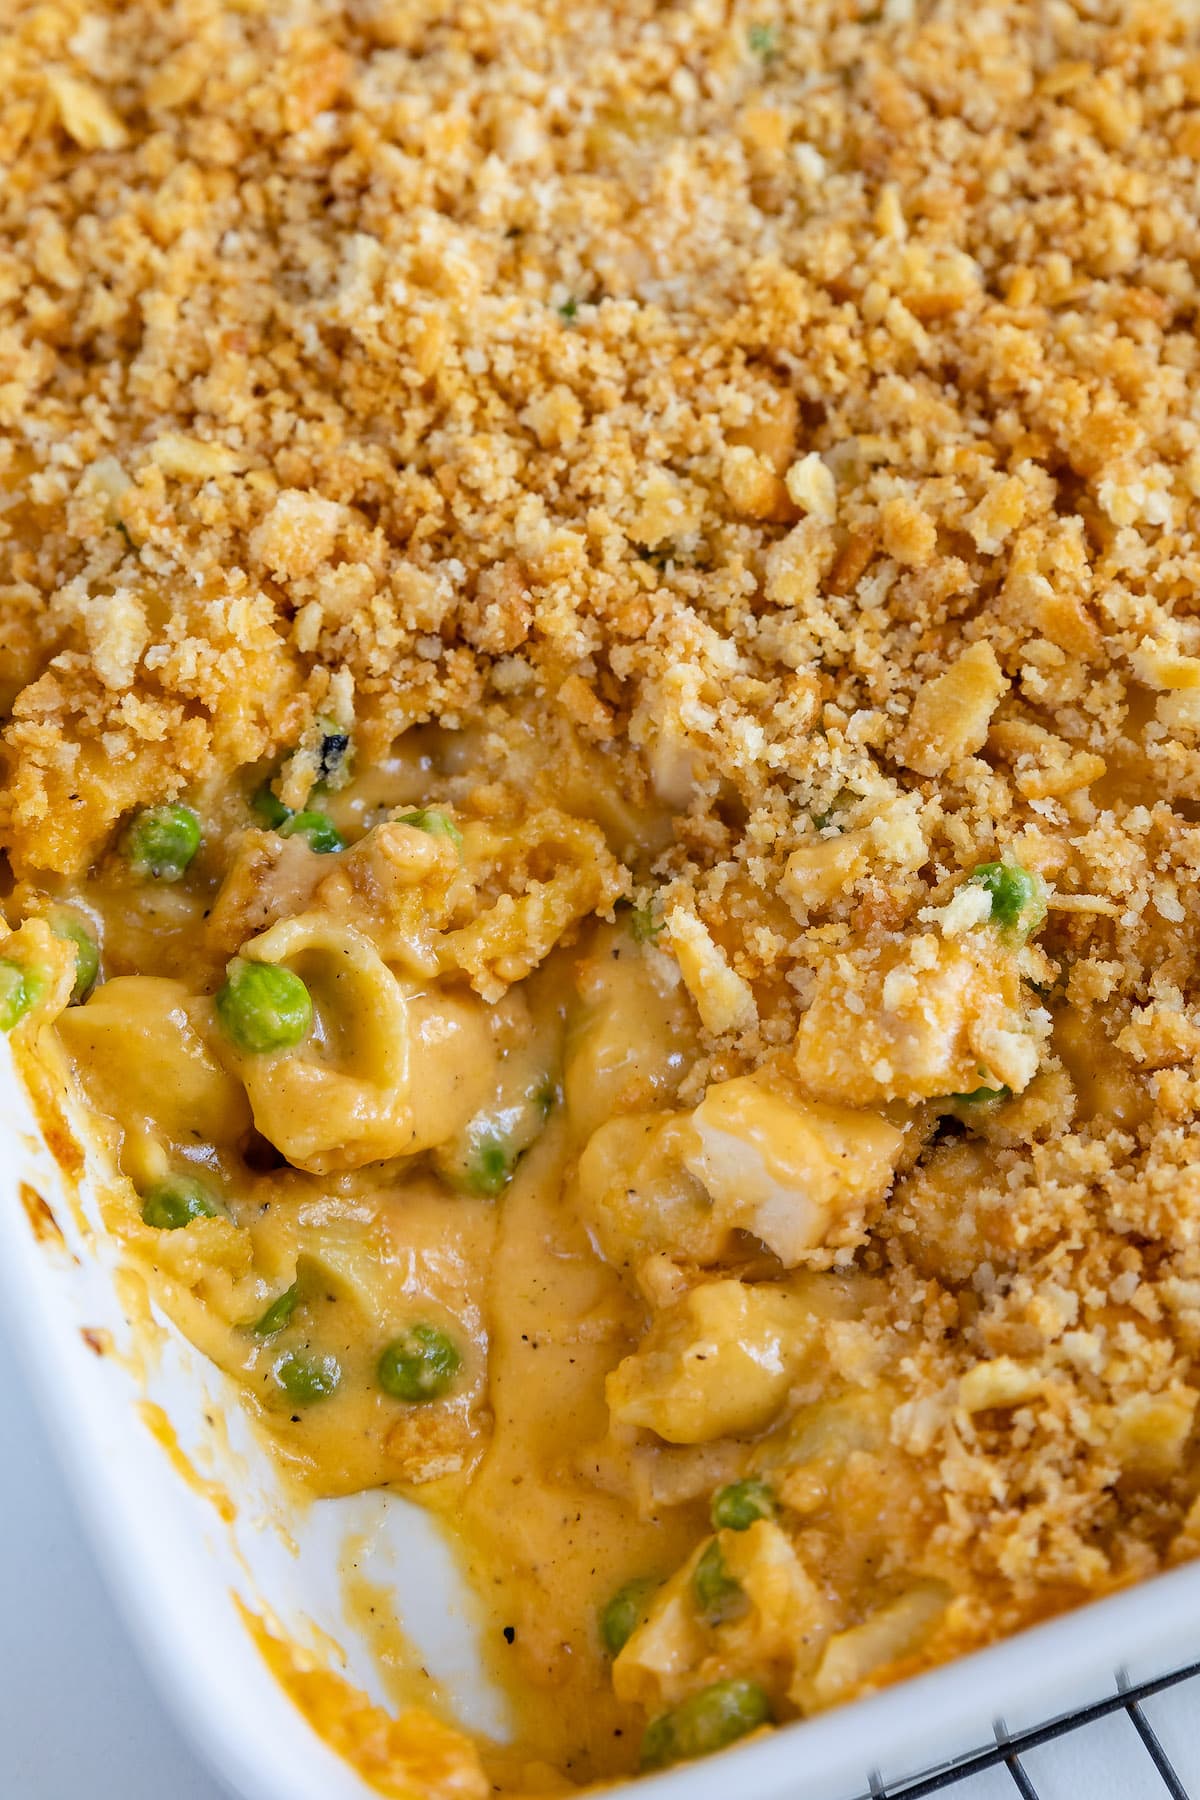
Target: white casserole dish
<point>175,1565</point>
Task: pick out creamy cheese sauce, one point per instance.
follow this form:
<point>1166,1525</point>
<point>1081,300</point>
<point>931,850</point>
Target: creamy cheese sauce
<point>508,1457</point>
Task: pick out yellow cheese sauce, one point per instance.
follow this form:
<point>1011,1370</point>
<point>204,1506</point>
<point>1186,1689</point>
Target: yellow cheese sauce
<point>403,1757</point>
<point>512,1456</point>
<point>161,1429</point>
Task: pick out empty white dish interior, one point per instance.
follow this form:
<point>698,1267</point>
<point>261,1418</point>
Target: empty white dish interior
<point>177,1568</point>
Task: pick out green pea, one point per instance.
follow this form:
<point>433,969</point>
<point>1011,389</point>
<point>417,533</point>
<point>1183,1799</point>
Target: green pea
<point>269,809</point>
<point>658,1742</point>
<point>718,1596</point>
<point>176,1201</point>
<point>736,1507</point>
<point>279,1313</point>
<point>762,41</point>
<point>492,1167</point>
<point>704,1722</point>
<point>982,1096</point>
<point>419,1365</point>
<point>1018,897</point>
<point>620,1617</point>
<point>322,834</point>
<point>160,842</point>
<point>844,798</point>
<point>645,924</point>
<point>307,1379</point>
<point>438,824</point>
<point>21,987</point>
<point>263,1006</point>
<point>87,955</point>
<point>483,1156</point>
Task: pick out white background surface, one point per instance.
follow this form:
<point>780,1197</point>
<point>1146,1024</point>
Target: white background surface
<point>78,1716</point>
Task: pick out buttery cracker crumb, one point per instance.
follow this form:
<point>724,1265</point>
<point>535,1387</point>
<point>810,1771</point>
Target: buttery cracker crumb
<point>811,486</point>
<point>951,712</point>
<point>724,1000</point>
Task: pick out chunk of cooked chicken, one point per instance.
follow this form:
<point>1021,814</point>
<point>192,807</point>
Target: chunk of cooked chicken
<point>798,1173</point>
<point>717,1363</point>
<point>757,1155</point>
<point>919,1019</point>
<point>267,878</point>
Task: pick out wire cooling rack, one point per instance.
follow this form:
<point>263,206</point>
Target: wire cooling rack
<point>1152,1774</point>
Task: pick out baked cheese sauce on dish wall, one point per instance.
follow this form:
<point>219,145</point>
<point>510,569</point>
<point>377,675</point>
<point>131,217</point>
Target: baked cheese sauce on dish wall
<point>599,777</point>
